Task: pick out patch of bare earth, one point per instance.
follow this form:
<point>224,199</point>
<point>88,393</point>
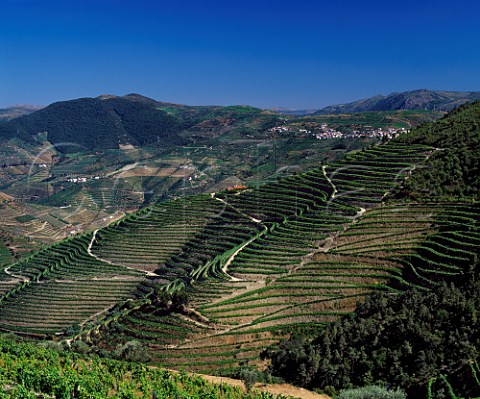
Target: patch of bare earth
<point>276,389</point>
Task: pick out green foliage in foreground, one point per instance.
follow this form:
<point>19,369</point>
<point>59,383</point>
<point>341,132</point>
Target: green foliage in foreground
<point>402,339</point>
<point>28,371</point>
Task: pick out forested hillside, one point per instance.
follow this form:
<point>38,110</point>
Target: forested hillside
<point>453,170</point>
<point>96,123</point>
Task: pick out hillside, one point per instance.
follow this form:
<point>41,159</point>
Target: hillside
<point>419,327</point>
<point>272,229</point>
<point>107,122</point>
<point>47,195</point>
<point>97,123</point>
<point>17,110</point>
<point>207,282</point>
<point>81,164</point>
<point>452,172</point>
<point>409,100</point>
<point>52,192</point>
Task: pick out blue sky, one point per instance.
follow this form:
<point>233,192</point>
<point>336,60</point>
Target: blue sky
<point>266,53</point>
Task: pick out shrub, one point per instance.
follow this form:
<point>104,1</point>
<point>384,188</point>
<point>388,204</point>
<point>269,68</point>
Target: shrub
<point>80,347</point>
<point>371,392</point>
<point>133,351</point>
<point>249,377</point>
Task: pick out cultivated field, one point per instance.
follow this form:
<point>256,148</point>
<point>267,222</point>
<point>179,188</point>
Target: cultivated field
<point>257,264</point>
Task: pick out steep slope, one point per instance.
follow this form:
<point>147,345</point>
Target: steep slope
<point>409,100</point>
<point>210,281</point>
<point>426,339</point>
<point>178,243</point>
<point>254,265</point>
<point>453,170</point>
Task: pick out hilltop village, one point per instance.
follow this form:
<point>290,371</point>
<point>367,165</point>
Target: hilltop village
<point>325,131</point>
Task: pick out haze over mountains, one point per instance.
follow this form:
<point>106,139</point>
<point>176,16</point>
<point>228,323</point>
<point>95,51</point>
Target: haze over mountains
<point>428,100</point>
<point>17,110</point>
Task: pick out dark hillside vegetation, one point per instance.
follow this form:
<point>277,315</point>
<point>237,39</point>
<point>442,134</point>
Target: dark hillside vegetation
<point>402,340</point>
<point>452,172</point>
<point>107,121</point>
<point>97,123</point>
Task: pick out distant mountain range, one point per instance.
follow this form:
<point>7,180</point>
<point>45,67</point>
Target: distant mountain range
<point>108,121</point>
<point>429,100</point>
<point>17,110</point>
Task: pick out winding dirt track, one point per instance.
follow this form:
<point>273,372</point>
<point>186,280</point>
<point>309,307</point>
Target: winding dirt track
<point>232,257</point>
<point>89,251</point>
<point>334,193</point>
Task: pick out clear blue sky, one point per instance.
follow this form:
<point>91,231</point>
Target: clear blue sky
<point>266,53</point>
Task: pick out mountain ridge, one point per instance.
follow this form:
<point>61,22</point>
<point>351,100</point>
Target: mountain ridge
<point>14,111</point>
<point>97,123</point>
<point>420,99</point>
<point>109,121</point>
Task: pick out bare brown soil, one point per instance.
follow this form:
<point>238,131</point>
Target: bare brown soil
<point>147,171</point>
<point>276,389</point>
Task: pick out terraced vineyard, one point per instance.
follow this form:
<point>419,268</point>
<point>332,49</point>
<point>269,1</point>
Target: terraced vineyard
<point>364,178</point>
<point>257,264</point>
<point>429,241</point>
<point>281,280</point>
<point>322,287</point>
<point>60,287</point>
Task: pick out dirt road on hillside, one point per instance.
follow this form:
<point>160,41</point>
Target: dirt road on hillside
<point>276,389</point>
